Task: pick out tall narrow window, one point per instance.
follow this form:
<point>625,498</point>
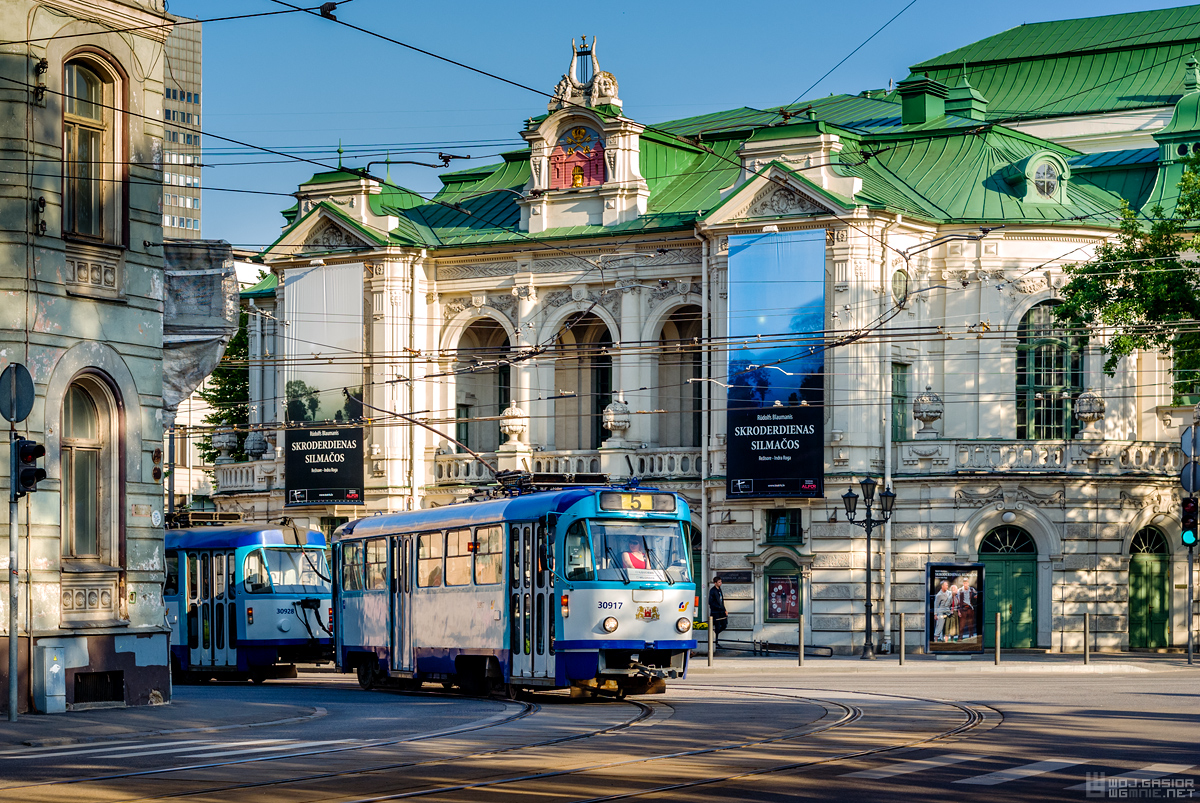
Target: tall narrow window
<point>602,387</point>
<point>87,143</point>
<point>1049,376</point>
<point>900,410</point>
<point>82,450</point>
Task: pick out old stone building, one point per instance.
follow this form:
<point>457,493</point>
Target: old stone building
<point>82,297</point>
<point>567,310</point>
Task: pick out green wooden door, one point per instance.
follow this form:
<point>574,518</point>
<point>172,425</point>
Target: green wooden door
<point>1149,607</point>
<point>1009,556</point>
<point>1149,590</point>
<point>1011,592</point>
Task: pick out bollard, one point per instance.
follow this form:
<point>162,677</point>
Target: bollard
<point>997,638</point>
<point>901,639</point>
<point>710,639</point>
<point>1087,640</point>
<point>800,639</point>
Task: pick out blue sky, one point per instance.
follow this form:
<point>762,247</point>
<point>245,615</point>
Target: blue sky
<point>296,81</point>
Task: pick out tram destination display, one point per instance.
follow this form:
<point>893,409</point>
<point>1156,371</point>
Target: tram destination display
<point>954,608</point>
<point>324,466</point>
<point>776,385</point>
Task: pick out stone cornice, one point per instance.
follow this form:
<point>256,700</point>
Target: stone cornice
<point>117,15</point>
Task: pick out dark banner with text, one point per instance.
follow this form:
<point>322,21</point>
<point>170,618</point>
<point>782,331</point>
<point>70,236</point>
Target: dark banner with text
<point>324,466</point>
<point>776,373</point>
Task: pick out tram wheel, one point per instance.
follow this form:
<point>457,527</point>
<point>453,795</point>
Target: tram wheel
<point>258,678</point>
<point>366,676</point>
<point>448,685</point>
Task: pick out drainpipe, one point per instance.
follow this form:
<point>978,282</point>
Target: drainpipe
<point>705,332</point>
<point>886,422</point>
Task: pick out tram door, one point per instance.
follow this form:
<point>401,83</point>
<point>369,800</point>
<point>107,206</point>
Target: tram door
<point>530,590</point>
<point>401,585</point>
<point>211,610</point>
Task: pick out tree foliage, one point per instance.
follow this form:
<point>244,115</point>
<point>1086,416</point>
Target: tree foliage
<point>1140,289</point>
<point>227,391</point>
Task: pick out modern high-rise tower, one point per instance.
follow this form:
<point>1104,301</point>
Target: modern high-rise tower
<point>181,150</point>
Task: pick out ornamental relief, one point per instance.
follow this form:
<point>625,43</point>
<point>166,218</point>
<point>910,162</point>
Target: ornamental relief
<point>781,201</point>
<point>328,234</point>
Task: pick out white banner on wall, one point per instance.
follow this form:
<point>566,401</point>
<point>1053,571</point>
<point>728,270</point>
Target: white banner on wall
<point>323,342</point>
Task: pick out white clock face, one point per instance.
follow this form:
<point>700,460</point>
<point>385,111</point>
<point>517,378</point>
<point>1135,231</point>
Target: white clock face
<point>900,287</point>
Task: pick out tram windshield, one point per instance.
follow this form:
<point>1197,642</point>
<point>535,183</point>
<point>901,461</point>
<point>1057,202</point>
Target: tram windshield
<point>286,571</point>
<point>628,551</point>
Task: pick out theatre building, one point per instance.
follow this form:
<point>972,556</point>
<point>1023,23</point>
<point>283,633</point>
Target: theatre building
<point>875,272</point>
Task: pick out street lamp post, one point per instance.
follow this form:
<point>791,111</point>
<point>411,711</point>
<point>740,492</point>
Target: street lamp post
<point>887,500</point>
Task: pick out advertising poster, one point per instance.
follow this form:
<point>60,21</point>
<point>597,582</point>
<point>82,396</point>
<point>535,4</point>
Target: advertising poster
<point>323,341</point>
<point>954,610</point>
<point>783,598</point>
<point>324,466</point>
<point>775,417</point>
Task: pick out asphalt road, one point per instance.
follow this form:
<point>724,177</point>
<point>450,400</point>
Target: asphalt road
<point>826,734</point>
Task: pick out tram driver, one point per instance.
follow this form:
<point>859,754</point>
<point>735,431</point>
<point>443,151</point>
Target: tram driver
<point>634,556</point>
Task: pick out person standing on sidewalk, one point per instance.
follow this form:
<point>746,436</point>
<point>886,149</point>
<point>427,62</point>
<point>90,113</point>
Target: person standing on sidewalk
<point>716,609</point>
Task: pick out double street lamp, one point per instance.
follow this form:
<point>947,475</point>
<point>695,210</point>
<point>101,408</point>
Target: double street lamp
<point>887,500</point>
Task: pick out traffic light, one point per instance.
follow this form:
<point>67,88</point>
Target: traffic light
<point>27,473</point>
<point>1187,515</point>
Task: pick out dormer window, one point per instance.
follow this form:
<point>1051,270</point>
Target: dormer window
<point>578,159</point>
<point>1046,180</point>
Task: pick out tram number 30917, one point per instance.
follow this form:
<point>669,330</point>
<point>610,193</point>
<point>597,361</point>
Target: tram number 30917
<point>608,606</point>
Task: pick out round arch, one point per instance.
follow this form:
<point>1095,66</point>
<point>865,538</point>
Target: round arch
<point>658,317</point>
<point>457,326</point>
<point>1019,310</point>
<point>1149,516</point>
<point>970,533</point>
<point>551,326</point>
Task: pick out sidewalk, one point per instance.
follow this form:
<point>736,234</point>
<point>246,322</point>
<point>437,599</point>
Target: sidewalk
<point>1101,663</point>
<point>190,716</point>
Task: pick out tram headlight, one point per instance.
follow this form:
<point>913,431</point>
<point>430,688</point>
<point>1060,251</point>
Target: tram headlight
<point>610,624</point>
<point>683,625</point>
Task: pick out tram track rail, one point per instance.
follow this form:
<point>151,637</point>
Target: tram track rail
<point>645,711</point>
<point>973,718</point>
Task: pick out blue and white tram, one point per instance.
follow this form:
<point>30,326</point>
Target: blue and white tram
<point>247,601</point>
<point>586,588</point>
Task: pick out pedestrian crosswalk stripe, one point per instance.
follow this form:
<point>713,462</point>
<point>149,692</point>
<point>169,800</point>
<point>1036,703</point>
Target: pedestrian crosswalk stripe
<point>915,765</point>
<point>1146,773</point>
<point>288,746</point>
<point>54,748</point>
<point>199,747</point>
<point>1016,773</point>
<point>88,748</point>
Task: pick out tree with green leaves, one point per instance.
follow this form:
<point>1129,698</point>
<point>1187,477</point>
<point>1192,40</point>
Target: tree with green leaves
<point>1140,288</point>
<point>227,392</point>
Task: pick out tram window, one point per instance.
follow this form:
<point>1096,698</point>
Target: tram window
<point>193,626</point>
<point>429,560</point>
<point>232,576</point>
<point>376,564</point>
<point>352,567</point>
<point>527,618</point>
<point>458,558</point>
<point>514,556</point>
<point>219,568</point>
<point>527,556</point>
<point>578,552</point>
<point>407,565</point>
<point>232,625</point>
<point>296,571</point>
<point>639,550</point>
<point>514,624</point>
<point>489,566</point>
<point>171,584</point>
<point>542,558</point>
<point>192,569</point>
<point>541,624</point>
<point>255,571</point>
<point>205,581</point>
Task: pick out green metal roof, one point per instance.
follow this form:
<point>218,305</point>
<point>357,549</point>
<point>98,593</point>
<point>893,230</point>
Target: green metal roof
<point>1092,65</point>
<point>264,289</point>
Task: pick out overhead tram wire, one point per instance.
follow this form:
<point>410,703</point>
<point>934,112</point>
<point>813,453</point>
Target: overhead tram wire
<point>137,28</point>
<point>685,140</point>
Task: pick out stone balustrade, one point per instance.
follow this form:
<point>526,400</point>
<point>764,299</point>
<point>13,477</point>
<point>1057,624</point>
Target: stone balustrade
<point>655,462</point>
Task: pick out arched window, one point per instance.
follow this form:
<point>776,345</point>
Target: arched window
<point>679,361</point>
<point>783,591</point>
<point>1008,540</point>
<point>89,473</point>
<point>583,379</point>
<point>89,151</point>
<point>1148,541</point>
<point>1049,376</point>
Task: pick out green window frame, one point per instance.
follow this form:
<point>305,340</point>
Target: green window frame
<point>783,589</point>
<point>900,401</point>
<point>1049,376</point>
<point>784,526</point>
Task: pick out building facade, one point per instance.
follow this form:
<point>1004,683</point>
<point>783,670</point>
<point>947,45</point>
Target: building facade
<point>82,308</point>
<point>567,311</point>
<point>182,82</point>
